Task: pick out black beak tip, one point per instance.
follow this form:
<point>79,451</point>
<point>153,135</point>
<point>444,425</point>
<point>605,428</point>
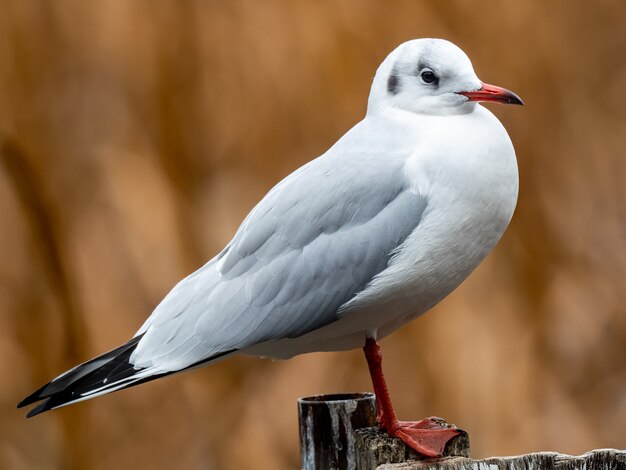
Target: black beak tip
<point>514,99</point>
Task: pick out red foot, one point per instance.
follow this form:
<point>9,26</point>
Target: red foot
<point>428,436</point>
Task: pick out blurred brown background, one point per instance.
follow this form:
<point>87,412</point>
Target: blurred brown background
<point>135,137</point>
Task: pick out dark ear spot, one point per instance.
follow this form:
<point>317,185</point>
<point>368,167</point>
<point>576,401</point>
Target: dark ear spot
<point>393,83</point>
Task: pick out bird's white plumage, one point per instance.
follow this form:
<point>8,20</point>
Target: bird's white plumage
<point>360,240</point>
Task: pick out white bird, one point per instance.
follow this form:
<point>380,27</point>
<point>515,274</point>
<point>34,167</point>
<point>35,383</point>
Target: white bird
<point>346,249</point>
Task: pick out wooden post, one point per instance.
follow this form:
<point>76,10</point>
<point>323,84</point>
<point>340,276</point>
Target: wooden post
<point>600,459</point>
<point>327,425</point>
<point>337,432</point>
<point>375,448</point>
<point>377,451</point>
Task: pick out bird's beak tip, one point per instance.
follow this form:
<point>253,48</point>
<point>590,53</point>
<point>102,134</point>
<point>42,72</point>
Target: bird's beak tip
<point>494,94</point>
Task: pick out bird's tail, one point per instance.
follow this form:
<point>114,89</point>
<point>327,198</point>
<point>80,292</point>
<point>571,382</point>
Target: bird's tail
<point>104,374</point>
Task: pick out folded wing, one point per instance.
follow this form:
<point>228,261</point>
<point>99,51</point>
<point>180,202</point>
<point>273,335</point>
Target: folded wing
<point>314,242</point>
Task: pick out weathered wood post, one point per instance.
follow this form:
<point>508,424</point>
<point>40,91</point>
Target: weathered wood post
<point>375,448</point>
<point>327,425</point>
<point>338,432</point>
<point>599,459</point>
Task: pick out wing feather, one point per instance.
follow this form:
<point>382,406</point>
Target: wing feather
<point>314,242</point>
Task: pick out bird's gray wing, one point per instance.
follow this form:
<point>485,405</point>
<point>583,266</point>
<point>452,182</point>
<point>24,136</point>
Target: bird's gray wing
<point>314,242</point>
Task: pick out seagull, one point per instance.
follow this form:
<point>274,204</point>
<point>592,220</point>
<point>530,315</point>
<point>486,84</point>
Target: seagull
<point>346,249</point>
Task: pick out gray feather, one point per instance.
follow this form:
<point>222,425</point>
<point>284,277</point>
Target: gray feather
<point>313,243</point>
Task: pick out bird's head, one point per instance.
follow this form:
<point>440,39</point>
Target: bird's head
<point>432,76</point>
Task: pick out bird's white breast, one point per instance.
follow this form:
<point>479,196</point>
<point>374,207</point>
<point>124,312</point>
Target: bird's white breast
<point>465,165</point>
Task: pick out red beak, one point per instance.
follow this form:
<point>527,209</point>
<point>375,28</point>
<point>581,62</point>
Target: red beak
<point>494,94</point>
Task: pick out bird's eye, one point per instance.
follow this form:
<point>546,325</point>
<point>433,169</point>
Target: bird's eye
<point>428,76</point>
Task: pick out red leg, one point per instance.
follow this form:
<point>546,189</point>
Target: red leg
<point>428,436</point>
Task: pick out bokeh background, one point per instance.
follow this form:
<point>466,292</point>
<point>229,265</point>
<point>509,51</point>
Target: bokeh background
<point>136,135</point>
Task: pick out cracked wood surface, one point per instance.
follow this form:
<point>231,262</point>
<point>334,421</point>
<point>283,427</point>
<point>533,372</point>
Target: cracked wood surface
<point>377,451</point>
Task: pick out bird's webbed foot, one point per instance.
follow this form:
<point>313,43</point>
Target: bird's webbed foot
<point>427,437</point>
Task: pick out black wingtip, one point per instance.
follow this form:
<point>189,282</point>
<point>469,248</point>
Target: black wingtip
<point>42,407</point>
<point>77,374</point>
<point>76,384</point>
<point>33,397</point>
